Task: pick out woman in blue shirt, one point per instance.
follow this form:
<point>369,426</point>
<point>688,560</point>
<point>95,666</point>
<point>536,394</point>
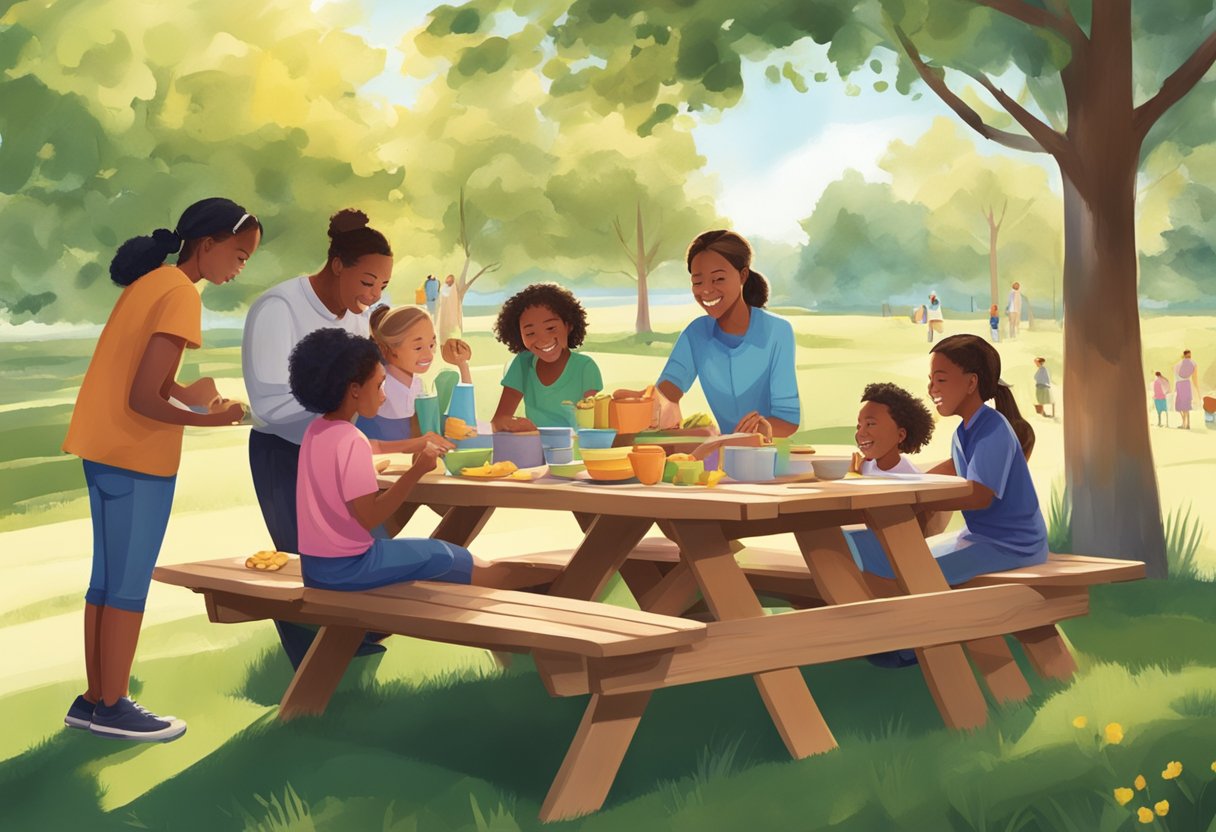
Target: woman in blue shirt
<point>743,355</point>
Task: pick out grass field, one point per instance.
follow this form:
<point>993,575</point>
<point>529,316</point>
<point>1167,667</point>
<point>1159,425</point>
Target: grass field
<point>436,737</point>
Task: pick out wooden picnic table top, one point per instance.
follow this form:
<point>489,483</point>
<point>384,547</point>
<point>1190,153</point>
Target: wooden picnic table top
<point>727,501</point>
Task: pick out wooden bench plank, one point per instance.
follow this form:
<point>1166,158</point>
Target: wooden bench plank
<point>230,575</point>
<point>835,633</point>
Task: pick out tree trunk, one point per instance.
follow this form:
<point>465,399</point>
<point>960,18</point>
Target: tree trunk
<point>642,324</point>
<point>1108,458</point>
<point>993,231</point>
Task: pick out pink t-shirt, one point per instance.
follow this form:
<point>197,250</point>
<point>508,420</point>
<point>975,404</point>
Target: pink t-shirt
<point>1159,388</point>
<point>335,468</point>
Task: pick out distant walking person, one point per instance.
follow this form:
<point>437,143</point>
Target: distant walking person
<point>1184,375</point>
<point>933,317</point>
<point>1161,389</point>
<point>994,324</point>
<point>1042,389</point>
<point>1014,309</point>
<point>449,321</point>
<point>431,289</point>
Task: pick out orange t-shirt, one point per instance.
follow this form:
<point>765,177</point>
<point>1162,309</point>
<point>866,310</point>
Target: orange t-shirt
<point>104,428</point>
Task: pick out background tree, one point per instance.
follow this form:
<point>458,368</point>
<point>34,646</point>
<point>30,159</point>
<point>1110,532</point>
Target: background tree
<point>1077,58</point>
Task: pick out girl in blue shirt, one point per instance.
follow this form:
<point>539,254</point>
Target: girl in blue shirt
<point>1004,525</point>
<point>743,355</point>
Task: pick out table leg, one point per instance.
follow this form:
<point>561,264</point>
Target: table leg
<point>1047,652</point>
<point>947,672</point>
<point>729,596</point>
<point>830,562</point>
<point>674,594</point>
<point>607,544</point>
<point>595,755</point>
<point>461,524</point>
<point>319,673</point>
<point>396,522</point>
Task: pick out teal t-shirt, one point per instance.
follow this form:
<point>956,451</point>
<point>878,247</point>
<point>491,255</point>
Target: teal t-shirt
<point>543,403</point>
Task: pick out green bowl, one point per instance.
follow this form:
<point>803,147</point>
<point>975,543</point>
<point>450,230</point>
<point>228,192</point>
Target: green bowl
<point>468,458</point>
<point>566,470</point>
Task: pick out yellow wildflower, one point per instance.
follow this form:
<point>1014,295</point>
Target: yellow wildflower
<point>1124,796</point>
<point>1114,733</point>
<point>1144,814</point>
<point>1081,722</point>
<point>1140,783</point>
<point>1162,808</point>
<point>1172,770</point>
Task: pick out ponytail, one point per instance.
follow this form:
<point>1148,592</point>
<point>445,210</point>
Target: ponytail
<point>975,355</point>
<point>755,289</point>
<point>1007,406</point>
<point>216,217</point>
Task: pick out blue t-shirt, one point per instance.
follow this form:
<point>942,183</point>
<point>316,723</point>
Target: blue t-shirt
<point>739,373</point>
<point>994,322</point>
<point>988,452</point>
<point>431,287</point>
<point>543,402</point>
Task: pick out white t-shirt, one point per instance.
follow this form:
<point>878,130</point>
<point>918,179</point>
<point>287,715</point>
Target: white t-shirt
<point>399,397</point>
<point>869,468</point>
<point>276,322</point>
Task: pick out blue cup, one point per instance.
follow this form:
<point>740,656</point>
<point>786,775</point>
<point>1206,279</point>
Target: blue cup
<point>750,464</point>
<point>557,437</point>
<point>559,456</point>
<point>596,438</point>
<point>462,406</point>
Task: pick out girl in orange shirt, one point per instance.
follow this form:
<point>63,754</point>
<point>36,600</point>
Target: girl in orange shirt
<point>129,437</point>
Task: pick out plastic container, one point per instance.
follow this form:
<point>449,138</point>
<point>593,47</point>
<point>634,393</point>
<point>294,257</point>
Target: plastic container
<point>831,467</point>
<point>524,449</point>
<point>557,437</point>
<point>559,456</point>
<point>461,405</point>
<point>454,461</point>
<point>596,438</point>
<point>631,416</point>
<point>584,417</point>
<point>750,464</point>
<point>602,403</point>
<point>647,466</point>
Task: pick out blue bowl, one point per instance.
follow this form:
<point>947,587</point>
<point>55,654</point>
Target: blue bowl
<point>557,437</point>
<point>480,441</point>
<point>596,438</point>
<point>559,456</point>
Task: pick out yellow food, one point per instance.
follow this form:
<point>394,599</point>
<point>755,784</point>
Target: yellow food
<point>711,478</point>
<point>269,561</point>
<point>455,428</point>
<point>585,404</point>
<point>697,420</point>
<point>801,449</point>
<point>498,469</point>
<point>522,475</point>
<point>680,458</point>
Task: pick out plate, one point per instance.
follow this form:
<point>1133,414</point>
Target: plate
<point>583,476</point>
<point>536,473</point>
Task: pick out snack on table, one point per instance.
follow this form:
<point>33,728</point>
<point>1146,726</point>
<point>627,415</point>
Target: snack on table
<point>268,561</point>
<point>456,428</point>
<point>711,478</point>
<point>697,420</point>
<point>680,458</point>
<point>801,449</point>
<point>585,404</point>
<point>498,469</point>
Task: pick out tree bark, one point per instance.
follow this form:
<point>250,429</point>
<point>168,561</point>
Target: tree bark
<point>642,324</point>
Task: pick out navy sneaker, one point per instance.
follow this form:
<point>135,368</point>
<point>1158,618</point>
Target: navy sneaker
<point>126,720</point>
<point>80,714</point>
<point>894,659</point>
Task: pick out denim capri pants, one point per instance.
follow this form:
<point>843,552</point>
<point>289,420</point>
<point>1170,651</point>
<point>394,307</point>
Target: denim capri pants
<point>390,562</point>
<point>130,514</point>
<point>960,559</point>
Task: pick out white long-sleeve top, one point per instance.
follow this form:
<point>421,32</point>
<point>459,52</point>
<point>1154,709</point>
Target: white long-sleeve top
<point>276,322</point>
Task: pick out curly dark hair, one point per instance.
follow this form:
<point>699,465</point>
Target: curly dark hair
<point>549,295</point>
<point>908,412</point>
<point>325,362</point>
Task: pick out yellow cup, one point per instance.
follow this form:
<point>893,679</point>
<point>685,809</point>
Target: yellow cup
<point>584,417</point>
<point>602,402</point>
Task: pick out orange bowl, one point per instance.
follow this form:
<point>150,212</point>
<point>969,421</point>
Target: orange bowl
<point>630,415</point>
<point>609,470</point>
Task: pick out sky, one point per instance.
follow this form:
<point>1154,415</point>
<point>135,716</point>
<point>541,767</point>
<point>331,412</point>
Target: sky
<point>774,152</point>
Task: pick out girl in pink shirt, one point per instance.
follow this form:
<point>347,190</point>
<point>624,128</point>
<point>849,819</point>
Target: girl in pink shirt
<point>338,500</point>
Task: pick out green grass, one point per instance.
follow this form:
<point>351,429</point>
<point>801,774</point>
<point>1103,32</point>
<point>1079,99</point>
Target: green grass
<point>1059,520</point>
<point>1184,533</point>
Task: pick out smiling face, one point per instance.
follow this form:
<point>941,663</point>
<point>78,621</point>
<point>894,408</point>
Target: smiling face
<point>949,386</point>
<point>222,260</point>
<point>361,284</point>
<point>877,433</point>
<point>415,353</point>
<point>543,332</point>
<point>716,284</point>
<point>369,395</point>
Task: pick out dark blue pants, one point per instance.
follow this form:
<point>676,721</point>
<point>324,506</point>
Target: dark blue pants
<point>273,461</point>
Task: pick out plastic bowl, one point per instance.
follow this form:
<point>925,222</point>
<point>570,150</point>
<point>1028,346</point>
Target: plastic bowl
<point>470,458</point>
<point>605,454</point>
<point>831,467</point>
<point>567,470</point>
<point>609,470</point>
<point>557,437</point>
<point>631,416</point>
<point>559,456</point>
<point>524,449</point>
<point>750,464</point>
<point>596,438</point>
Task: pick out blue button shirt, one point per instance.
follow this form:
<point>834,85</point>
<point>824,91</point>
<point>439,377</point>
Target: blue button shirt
<point>739,373</point>
<point>987,451</point>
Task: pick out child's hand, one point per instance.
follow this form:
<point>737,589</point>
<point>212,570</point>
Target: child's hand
<point>426,458</point>
<point>456,352</point>
<point>855,465</point>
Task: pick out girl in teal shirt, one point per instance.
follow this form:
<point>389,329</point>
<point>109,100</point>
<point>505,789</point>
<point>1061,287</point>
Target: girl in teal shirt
<point>542,325</point>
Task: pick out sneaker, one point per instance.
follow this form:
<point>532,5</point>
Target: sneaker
<point>893,659</point>
<point>80,715</point>
<point>126,720</point>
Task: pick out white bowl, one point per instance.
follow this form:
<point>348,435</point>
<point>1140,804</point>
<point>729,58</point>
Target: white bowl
<point>831,467</point>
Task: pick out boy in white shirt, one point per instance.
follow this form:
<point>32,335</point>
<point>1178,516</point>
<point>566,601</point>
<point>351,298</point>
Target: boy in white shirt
<point>891,420</point>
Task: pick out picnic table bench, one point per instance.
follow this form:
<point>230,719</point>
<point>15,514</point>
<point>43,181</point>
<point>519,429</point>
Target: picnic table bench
<point>620,657</point>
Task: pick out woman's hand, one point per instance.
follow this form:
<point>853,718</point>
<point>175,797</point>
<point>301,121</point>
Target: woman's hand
<point>513,424</point>
<point>755,423</point>
<point>201,393</point>
<point>226,412</point>
<point>627,394</point>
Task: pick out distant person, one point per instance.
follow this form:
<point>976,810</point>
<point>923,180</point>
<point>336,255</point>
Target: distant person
<point>1014,309</point>
<point>449,319</point>
<point>431,291</point>
<point>934,317</point>
<point>128,434</point>
<point>1161,389</point>
<point>1042,389</point>
<point>1185,372</point>
<point>994,324</point>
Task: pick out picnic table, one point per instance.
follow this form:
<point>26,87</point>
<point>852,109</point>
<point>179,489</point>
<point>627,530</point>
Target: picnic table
<point>620,657</point>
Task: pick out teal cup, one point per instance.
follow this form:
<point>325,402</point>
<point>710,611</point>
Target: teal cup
<point>427,410</point>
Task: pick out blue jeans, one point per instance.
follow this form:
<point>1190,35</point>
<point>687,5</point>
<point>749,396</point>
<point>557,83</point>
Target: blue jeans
<point>130,514</point>
<point>960,560</point>
<point>390,562</point>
